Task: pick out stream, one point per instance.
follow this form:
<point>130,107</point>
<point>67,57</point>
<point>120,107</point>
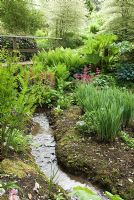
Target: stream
<point>43,150</point>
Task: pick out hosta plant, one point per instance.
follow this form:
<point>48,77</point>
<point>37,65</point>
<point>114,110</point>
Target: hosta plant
<point>84,193</point>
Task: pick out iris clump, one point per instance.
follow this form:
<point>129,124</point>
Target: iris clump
<point>108,110</point>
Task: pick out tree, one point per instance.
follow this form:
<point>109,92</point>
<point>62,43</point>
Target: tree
<point>119,18</point>
<point>66,16</point>
<point>19,16</point>
<point>89,5</point>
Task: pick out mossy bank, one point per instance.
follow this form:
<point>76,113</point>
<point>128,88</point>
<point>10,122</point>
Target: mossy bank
<point>110,165</point>
<point>25,174</point>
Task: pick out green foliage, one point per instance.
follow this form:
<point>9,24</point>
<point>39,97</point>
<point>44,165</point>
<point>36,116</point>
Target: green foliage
<point>19,16</point>
<point>107,121</point>
<point>59,196</point>
<point>68,57</point>
<point>65,16</point>
<point>126,99</point>
<point>71,40</point>
<point>43,43</point>
<point>13,140</point>
<point>125,47</point>
<point>103,81</point>
<point>118,18</point>
<point>89,5</point>
<point>127,139</point>
<point>45,95</point>
<point>9,185</point>
<point>84,193</point>
<point>64,101</point>
<point>61,71</point>
<point>51,180</point>
<point>113,197</point>
<point>95,23</point>
<point>16,104</point>
<point>125,73</point>
<point>100,50</point>
<point>107,109</point>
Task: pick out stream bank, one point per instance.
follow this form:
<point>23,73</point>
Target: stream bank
<point>110,165</point>
<point>21,172</point>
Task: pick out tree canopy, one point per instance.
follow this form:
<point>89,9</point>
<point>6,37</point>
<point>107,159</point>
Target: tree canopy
<point>119,18</point>
<point>66,16</point>
<point>19,16</point>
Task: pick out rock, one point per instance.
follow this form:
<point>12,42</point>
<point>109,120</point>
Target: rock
<point>130,180</point>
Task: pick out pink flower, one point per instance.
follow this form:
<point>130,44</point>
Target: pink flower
<point>13,192</point>
<point>13,195</point>
<point>77,76</point>
<point>97,71</point>
<point>85,70</point>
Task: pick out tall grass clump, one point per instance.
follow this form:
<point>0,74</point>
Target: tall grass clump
<point>108,109</point>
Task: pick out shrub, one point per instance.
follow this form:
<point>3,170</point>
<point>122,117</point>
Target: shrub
<point>16,104</point>
<point>87,75</point>
<point>101,51</point>
<point>126,51</point>
<point>61,71</point>
<point>125,73</point>
<point>103,81</point>
<point>71,40</point>
<point>107,109</point>
<point>43,43</point>
<point>45,95</point>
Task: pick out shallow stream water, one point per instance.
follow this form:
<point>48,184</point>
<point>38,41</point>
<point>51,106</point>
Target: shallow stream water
<point>43,150</point>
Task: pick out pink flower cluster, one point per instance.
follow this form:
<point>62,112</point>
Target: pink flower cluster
<point>87,75</point>
<point>13,195</point>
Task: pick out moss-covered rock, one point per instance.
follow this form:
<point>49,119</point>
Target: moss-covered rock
<point>16,167</point>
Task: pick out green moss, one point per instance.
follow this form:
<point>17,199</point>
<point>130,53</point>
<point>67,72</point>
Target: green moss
<point>4,197</point>
<point>86,156</point>
<point>16,167</point>
<point>71,136</point>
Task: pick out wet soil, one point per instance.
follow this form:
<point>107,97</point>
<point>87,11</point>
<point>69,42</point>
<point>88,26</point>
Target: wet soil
<point>110,165</point>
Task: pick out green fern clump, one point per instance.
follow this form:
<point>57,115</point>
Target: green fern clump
<point>68,57</point>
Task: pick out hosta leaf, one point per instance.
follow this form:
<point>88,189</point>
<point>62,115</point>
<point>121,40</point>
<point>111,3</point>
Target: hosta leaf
<point>84,194</point>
